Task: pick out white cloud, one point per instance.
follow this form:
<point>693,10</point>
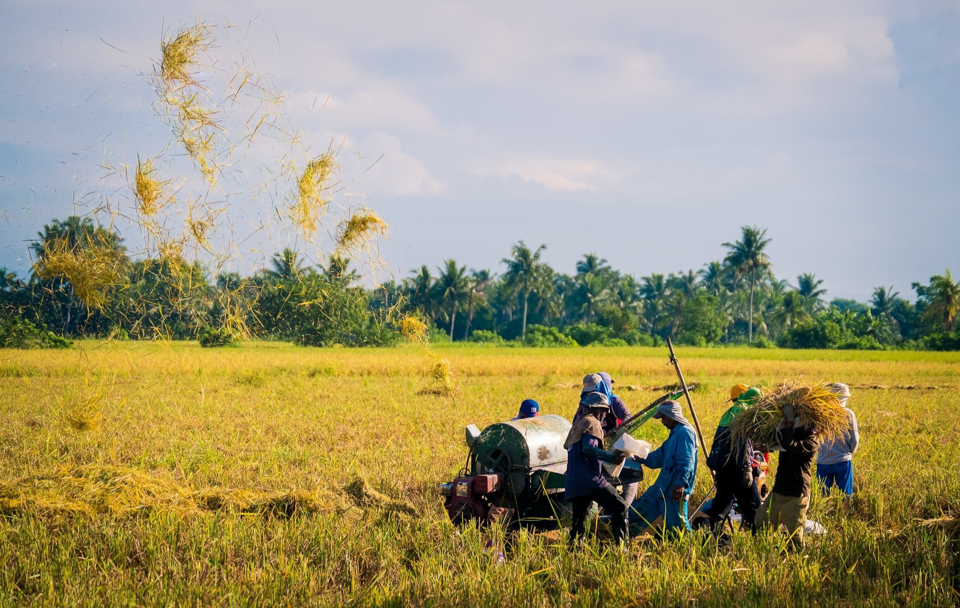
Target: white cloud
<point>552,173</point>
<point>395,173</point>
<point>375,104</point>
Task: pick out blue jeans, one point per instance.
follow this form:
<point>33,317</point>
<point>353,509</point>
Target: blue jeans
<point>652,505</point>
<point>839,474</point>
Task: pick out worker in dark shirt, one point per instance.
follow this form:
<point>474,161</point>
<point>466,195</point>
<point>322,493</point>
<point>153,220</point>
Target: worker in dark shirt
<point>585,483</point>
<point>787,504</point>
<point>732,464</point>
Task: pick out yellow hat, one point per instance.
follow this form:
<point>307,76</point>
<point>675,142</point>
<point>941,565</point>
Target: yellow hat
<point>737,390</point>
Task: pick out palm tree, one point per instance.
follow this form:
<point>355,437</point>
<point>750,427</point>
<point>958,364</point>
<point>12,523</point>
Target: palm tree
<point>711,278</point>
<point>524,271</point>
<point>287,266</point>
<point>808,286</point>
<point>479,280</point>
<point>747,256</point>
<point>944,294</point>
<point>419,288</point>
<point>883,304</point>
<point>593,293</point>
<point>592,264</point>
<point>453,289</point>
<point>792,310</point>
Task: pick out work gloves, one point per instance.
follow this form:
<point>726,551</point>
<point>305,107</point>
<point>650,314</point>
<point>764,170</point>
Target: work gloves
<point>789,414</point>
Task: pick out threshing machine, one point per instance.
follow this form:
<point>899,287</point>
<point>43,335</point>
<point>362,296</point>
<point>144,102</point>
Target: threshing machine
<point>515,471</point>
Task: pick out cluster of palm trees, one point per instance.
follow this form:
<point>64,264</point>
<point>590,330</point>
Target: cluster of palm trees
<point>735,299</point>
<point>741,288</point>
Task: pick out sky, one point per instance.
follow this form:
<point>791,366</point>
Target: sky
<point>646,132</point>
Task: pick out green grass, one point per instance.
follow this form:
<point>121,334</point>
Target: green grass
<point>273,419</point>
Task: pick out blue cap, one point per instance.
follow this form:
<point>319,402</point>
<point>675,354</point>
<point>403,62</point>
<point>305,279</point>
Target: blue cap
<point>529,408</point>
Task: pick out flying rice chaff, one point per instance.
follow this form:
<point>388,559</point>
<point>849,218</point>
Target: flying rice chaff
<point>310,201</point>
<point>357,230</point>
<point>815,405</point>
<point>92,270</point>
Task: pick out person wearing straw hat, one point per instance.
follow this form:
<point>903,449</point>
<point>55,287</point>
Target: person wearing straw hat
<point>677,461</point>
<point>618,413</point>
<point>733,464</point>
<point>585,483</point>
<point>835,457</point>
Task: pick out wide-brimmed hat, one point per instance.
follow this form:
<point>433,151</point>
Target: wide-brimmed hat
<point>591,383</point>
<point>737,390</point>
<point>596,401</point>
<point>671,409</point>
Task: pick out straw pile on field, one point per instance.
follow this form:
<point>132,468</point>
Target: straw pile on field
<point>124,491</point>
<point>815,405</point>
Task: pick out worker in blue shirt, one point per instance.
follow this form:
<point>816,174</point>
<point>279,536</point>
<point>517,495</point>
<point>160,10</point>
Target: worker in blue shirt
<point>677,461</point>
<point>585,483</point>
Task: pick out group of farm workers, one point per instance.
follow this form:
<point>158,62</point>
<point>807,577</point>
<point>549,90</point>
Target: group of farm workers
<point>736,468</point>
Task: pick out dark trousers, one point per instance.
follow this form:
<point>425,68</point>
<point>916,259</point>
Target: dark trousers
<point>729,486</point>
<point>611,503</point>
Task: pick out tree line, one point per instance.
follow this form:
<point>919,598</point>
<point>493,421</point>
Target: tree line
<point>83,283</point>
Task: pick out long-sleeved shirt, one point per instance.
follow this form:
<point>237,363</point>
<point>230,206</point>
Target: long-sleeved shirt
<point>584,471</point>
<point>618,411</point>
<point>793,472</point>
<point>677,461</point>
<point>842,448</point>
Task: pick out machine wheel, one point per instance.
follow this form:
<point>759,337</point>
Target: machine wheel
<point>461,513</point>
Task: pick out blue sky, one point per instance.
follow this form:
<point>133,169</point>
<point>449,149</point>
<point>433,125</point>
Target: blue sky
<point>645,132</point>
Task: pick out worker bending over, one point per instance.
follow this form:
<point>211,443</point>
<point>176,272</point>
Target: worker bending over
<point>677,461</point>
<point>732,464</point>
<point>585,483</point>
<point>787,504</point>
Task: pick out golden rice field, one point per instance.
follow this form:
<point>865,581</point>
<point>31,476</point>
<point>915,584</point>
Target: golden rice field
<point>166,474</point>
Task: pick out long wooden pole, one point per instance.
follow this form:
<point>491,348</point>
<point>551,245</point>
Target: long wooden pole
<point>686,393</point>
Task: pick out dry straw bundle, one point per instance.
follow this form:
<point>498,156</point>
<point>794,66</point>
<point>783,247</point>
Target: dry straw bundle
<point>357,230</point>
<point>148,190</point>
<point>815,406</point>
<point>91,271</point>
<point>310,202</point>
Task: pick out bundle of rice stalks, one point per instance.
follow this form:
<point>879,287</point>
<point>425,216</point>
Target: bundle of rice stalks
<point>414,329</point>
<point>148,190</point>
<point>814,405</point>
<point>356,231</point>
<point>442,376</point>
<point>365,497</point>
<point>309,202</point>
<point>91,270</point>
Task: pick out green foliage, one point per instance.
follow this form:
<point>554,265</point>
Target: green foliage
<point>218,338</point>
<point>839,329</point>
<point>542,336</point>
<point>588,333</point>
<point>701,322</point>
<point>484,336</point>
<point>20,333</point>
<point>942,341</point>
<point>761,342</point>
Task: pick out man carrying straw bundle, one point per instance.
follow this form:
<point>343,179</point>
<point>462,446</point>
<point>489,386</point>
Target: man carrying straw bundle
<point>585,483</point>
<point>787,504</point>
<point>677,461</point>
